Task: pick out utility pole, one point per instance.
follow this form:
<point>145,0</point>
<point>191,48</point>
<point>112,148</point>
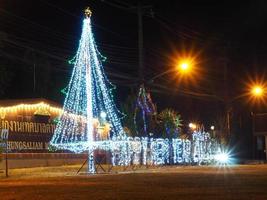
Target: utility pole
<point>224,92</point>
<point>226,96</point>
<point>140,42</point>
<point>227,101</point>
<point>141,10</point>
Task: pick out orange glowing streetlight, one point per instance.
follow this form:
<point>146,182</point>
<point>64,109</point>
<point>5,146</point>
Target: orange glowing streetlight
<point>257,91</point>
<point>192,126</point>
<point>185,66</point>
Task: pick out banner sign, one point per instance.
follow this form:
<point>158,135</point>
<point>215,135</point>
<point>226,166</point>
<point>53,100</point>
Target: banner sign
<point>26,136</point>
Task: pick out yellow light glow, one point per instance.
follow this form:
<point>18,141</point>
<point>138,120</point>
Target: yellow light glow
<point>257,91</point>
<point>184,66</point>
<point>29,107</point>
<point>192,126</point>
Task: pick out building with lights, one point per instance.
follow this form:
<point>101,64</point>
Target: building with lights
<point>30,122</point>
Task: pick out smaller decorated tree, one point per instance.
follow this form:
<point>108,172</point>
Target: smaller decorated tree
<point>145,112</point>
<point>170,123</point>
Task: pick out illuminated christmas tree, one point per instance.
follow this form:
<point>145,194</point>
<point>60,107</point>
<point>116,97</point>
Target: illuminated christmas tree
<point>145,110</point>
<point>88,108</point>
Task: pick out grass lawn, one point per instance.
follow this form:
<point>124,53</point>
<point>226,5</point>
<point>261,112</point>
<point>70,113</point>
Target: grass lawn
<point>58,183</point>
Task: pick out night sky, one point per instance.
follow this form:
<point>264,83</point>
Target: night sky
<point>38,37</point>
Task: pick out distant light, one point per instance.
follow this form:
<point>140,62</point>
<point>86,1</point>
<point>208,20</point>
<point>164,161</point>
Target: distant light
<point>192,126</point>
<point>103,115</point>
<point>222,158</point>
<point>212,128</point>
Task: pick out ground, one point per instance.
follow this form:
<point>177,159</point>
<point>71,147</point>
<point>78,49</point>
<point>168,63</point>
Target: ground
<point>190,182</point>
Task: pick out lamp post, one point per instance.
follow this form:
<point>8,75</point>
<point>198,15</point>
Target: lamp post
<point>254,92</point>
<point>186,67</point>
<point>258,93</point>
<point>144,101</point>
<point>192,126</point>
<point>183,67</point>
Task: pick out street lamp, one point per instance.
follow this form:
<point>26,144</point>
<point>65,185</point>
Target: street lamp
<point>192,126</point>
<point>184,66</point>
<point>257,96</point>
<point>257,91</point>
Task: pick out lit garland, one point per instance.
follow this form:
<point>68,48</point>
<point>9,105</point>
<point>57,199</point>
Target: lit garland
<point>144,141</point>
<point>136,147</point>
<point>30,107</point>
<point>160,151</point>
<point>181,151</point>
<point>119,152</point>
<point>141,151</point>
<point>201,147</point>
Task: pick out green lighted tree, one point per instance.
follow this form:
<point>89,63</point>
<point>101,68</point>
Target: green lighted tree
<point>170,122</point>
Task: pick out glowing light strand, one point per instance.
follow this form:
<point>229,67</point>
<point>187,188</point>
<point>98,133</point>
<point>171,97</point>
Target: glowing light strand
<point>87,96</point>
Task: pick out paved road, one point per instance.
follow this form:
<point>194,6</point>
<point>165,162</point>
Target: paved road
<point>236,182</point>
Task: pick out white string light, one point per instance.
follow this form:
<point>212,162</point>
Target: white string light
<point>89,100</point>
